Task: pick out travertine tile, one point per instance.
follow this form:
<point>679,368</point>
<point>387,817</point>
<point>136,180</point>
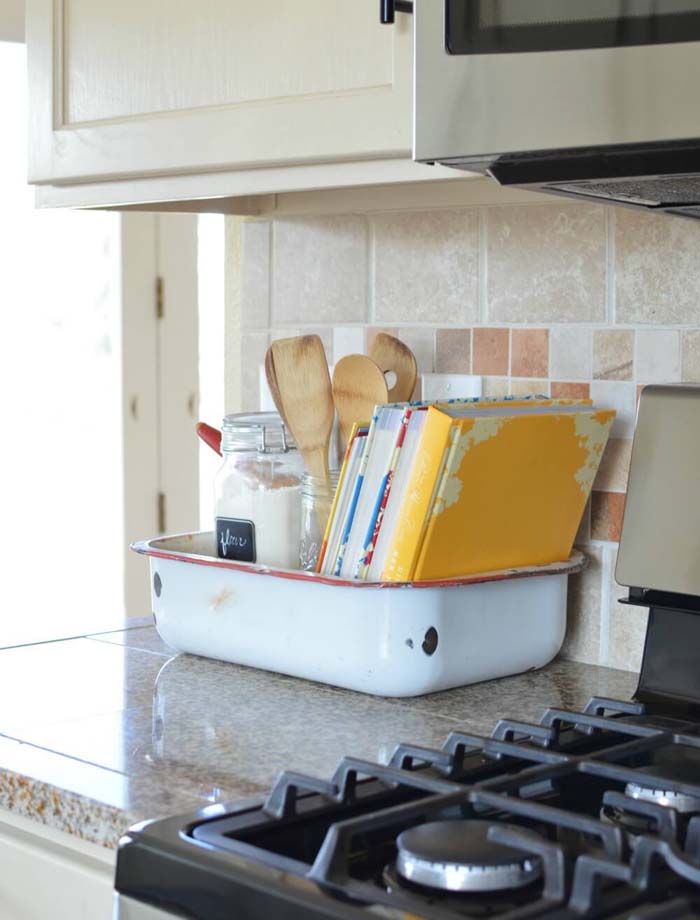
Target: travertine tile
<point>582,642</point>
<point>570,390</point>
<point>656,277</point>
<point>691,356</point>
<point>615,466</point>
<point>570,353</point>
<point>453,351</point>
<point>495,387</point>
<point>347,340</point>
<point>253,348</point>
<point>491,351</point>
<point>546,263</point>
<point>621,396</point>
<point>425,266</point>
<point>627,625</point>
<point>319,269</point>
<point>613,354</point>
<point>255,274</point>
<point>525,386</point>
<point>607,509</point>
<point>529,353</point>
<point>658,356</point>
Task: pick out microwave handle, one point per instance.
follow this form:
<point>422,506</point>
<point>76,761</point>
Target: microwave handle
<point>387,8</point>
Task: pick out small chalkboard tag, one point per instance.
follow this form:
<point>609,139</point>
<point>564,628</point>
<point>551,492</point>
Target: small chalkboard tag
<point>235,539</point>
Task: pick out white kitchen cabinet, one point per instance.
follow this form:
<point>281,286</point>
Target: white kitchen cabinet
<point>47,874</point>
<point>152,89</point>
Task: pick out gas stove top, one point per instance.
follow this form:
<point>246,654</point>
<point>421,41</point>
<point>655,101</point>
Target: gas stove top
<point>593,813</point>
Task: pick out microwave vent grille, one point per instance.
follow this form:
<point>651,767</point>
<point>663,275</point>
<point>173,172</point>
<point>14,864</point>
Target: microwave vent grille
<point>651,191</point>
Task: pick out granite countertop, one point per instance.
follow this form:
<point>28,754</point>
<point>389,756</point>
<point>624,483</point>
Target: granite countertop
<point>102,731</point>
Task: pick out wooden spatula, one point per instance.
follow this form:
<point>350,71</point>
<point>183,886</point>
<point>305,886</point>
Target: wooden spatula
<point>391,355</point>
<point>358,386</point>
<point>301,383</point>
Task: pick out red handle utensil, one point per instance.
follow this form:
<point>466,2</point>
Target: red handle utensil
<point>210,436</point>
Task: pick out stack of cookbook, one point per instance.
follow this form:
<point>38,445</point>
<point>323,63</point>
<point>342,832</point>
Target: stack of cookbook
<point>440,490</point>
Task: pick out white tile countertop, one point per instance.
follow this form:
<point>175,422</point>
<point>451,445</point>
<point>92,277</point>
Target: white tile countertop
<point>102,731</point>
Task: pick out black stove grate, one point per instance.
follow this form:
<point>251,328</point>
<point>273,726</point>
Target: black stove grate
<point>560,783</point>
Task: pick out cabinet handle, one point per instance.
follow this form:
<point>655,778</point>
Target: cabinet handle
<point>387,8</point>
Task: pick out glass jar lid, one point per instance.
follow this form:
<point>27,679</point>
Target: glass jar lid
<point>262,432</point>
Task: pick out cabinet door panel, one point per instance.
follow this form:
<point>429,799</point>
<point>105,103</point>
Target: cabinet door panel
<point>163,87</point>
<point>170,55</point>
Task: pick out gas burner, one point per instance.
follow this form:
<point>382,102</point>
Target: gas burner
<point>458,856</point>
<point>682,802</point>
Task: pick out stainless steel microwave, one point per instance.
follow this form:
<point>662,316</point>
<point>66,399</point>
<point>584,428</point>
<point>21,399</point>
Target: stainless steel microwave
<point>588,98</point>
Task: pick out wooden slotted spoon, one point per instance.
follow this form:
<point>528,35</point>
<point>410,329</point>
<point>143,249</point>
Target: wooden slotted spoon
<point>392,356</point>
<point>358,386</point>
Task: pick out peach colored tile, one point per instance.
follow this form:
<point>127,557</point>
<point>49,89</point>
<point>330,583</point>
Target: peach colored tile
<point>656,268</point>
<point>453,351</point>
<point>546,263</point>
<point>607,509</point>
<point>491,351</point>
<point>613,354</point>
<point>527,386</point>
<point>570,390</point>
<point>582,640</point>
<point>529,353</point>
<point>614,466</point>
<point>691,356</point>
<point>425,266</point>
<point>495,387</point>
<point>627,624</point>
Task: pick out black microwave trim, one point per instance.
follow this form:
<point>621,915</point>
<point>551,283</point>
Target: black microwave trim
<point>464,36</point>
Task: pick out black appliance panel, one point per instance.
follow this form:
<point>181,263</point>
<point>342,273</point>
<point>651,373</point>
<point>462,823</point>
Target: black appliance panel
<point>513,26</point>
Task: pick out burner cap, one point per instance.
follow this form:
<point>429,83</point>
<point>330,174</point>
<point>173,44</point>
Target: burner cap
<point>458,856</point>
<point>683,802</point>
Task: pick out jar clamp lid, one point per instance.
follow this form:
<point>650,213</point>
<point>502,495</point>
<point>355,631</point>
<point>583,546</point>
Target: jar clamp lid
<point>261,432</point>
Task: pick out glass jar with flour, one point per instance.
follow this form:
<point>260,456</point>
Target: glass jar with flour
<point>258,491</point>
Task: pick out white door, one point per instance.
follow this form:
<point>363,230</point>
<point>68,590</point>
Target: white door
<point>159,356</point>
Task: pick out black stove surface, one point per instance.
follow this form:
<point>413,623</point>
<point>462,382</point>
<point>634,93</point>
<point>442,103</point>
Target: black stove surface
<point>591,814</point>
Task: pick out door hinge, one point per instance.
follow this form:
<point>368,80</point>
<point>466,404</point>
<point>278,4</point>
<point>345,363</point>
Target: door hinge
<point>159,298</point>
<point>161,512</point>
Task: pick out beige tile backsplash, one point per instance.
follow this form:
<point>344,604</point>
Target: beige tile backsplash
<point>557,298</point>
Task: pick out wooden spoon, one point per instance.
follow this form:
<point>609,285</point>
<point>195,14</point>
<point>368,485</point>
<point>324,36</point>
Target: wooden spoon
<point>391,355</point>
<point>358,386</point>
<point>297,372</point>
